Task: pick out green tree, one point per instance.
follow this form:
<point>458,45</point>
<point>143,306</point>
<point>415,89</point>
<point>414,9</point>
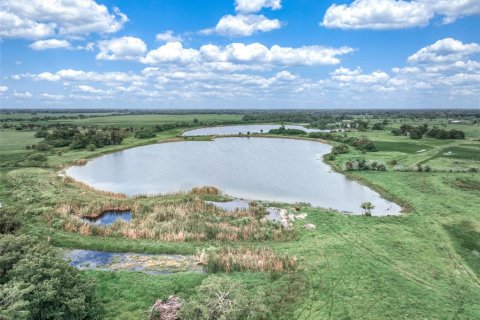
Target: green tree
<point>37,284</point>
<point>367,207</point>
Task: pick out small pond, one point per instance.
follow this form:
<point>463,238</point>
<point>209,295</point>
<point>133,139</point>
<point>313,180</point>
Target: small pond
<point>147,263</point>
<point>109,217</point>
<point>256,128</point>
<point>276,170</point>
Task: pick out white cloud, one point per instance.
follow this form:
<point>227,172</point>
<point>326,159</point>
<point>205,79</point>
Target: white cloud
<point>244,25</point>
<point>251,6</point>
<point>39,19</point>
<point>396,14</point>
<point>245,22</point>
<point>246,56</point>
<point>22,95</point>
<point>168,36</point>
<point>49,96</point>
<point>171,52</point>
<point>50,44</point>
<point>124,48</point>
<point>357,76</point>
<point>70,75</point>
<point>445,50</point>
<point>3,89</point>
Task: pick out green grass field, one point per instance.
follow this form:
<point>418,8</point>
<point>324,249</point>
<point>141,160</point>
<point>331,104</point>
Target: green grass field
<point>423,264</point>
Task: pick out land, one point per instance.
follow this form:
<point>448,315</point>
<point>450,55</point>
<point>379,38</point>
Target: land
<point>423,264</point>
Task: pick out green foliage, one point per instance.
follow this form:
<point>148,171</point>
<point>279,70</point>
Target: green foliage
<point>220,297</point>
<point>37,284</point>
<point>288,132</point>
<point>377,126</point>
<point>37,157</point>
<point>364,144</point>
<point>42,133</point>
<point>362,164</point>
<point>444,134</point>
<point>340,149</point>
<point>9,222</point>
<point>145,133</point>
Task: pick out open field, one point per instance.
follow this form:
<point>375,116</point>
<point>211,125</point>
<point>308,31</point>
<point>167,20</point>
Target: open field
<point>423,264</point>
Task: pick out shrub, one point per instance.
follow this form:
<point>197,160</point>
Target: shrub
<point>37,157</point>
<point>41,133</point>
<point>223,298</point>
<point>340,149</point>
<point>9,222</point>
<point>37,284</point>
<point>364,144</point>
<point>377,126</point>
<point>43,146</point>
<point>362,164</point>
<point>145,133</point>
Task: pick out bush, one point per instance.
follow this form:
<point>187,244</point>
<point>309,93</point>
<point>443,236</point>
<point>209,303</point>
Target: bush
<point>145,134</point>
<point>362,164</point>
<point>364,144</point>
<point>37,284</point>
<point>41,133</point>
<point>43,146</point>
<point>377,126</point>
<point>224,298</point>
<point>37,157</point>
<point>437,133</point>
<point>8,221</point>
<point>340,149</point>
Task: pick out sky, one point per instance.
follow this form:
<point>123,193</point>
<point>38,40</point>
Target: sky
<point>187,54</point>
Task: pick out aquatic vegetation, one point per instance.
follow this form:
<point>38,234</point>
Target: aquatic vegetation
<point>228,259</point>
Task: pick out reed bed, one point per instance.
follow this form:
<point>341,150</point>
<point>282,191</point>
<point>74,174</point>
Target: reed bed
<point>185,219</point>
<point>229,259</point>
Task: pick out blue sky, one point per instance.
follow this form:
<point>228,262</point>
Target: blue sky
<point>240,54</point>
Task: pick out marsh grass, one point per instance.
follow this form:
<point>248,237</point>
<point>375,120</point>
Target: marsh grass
<point>228,259</point>
<point>175,217</point>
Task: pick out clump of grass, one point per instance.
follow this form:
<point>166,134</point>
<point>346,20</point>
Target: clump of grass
<point>206,190</point>
<point>229,259</point>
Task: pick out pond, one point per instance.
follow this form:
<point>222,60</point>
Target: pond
<point>147,263</point>
<point>270,169</point>
<point>109,217</point>
<point>256,128</point>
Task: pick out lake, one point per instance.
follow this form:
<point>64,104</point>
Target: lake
<point>270,169</point>
<point>254,128</point>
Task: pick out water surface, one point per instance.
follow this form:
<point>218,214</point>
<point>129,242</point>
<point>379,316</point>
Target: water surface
<point>147,263</point>
<point>281,170</point>
<point>109,217</point>
<point>255,128</point>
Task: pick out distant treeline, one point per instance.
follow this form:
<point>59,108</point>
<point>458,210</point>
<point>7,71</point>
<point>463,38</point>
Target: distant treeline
<point>435,132</point>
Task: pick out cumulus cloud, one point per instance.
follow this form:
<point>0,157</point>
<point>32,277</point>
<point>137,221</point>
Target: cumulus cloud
<point>396,14</point>
<point>50,44</point>
<point>124,48</point>
<point>246,22</point>
<point>357,76</point>
<point>171,52</point>
<point>3,89</point>
<point>168,36</point>
<point>251,6</point>
<point>442,72</point>
<point>252,56</point>
<point>39,19</point>
<point>244,25</point>
<point>445,50</point>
